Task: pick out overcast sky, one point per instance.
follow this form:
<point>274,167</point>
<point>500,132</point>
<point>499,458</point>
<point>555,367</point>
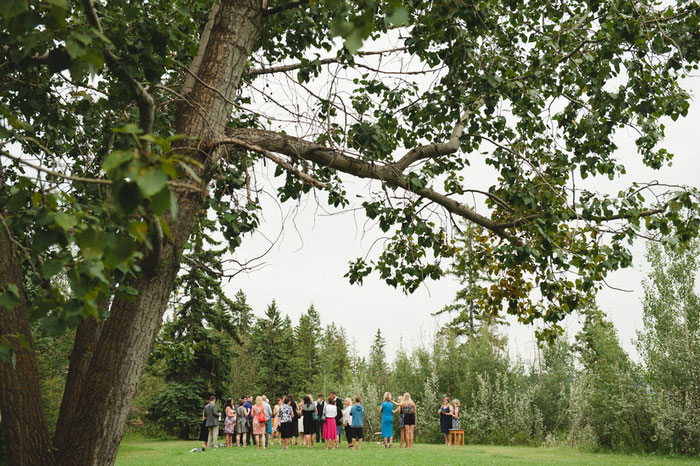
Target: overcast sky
<point>307,263</point>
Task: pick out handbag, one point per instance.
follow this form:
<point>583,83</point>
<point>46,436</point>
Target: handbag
<point>262,419</point>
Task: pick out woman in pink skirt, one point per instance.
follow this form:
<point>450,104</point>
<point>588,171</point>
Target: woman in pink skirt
<point>330,434</point>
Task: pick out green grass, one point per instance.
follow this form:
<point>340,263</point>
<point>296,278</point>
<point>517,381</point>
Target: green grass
<point>176,453</point>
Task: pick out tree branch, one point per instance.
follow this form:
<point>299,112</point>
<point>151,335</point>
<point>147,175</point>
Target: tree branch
<point>326,157</point>
<point>323,61</point>
<point>440,148</point>
<point>80,179</point>
<point>279,161</point>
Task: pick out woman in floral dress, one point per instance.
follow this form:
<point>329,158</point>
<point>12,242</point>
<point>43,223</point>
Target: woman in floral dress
<point>259,427</point>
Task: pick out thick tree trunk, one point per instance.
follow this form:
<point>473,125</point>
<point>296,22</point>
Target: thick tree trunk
<point>128,334</point>
<point>87,336</point>
<point>23,418</point>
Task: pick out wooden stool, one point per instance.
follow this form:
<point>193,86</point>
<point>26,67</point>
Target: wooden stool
<point>456,437</point>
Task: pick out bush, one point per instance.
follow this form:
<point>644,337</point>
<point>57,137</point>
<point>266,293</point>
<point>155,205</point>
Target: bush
<point>178,409</point>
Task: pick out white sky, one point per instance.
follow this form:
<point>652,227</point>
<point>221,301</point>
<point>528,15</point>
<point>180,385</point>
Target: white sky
<point>308,262</point>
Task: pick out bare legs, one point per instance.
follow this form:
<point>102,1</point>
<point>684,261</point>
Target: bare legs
<point>403,437</point>
<point>410,429</point>
<point>242,436</point>
<point>260,438</point>
<point>447,439</point>
<point>229,440</point>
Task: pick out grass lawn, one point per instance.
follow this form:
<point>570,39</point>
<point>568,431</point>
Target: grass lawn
<point>175,453</point>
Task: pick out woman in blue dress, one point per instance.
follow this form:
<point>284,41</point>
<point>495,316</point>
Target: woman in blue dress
<point>387,419</point>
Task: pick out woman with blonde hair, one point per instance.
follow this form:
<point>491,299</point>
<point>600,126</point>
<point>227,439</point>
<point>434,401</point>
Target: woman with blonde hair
<point>387,419</point>
<point>259,422</point>
<point>409,418</point>
<point>347,421</point>
<point>456,423</point>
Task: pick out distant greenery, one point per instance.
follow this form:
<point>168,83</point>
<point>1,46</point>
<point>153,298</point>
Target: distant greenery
<point>583,391</point>
<point>145,453</point>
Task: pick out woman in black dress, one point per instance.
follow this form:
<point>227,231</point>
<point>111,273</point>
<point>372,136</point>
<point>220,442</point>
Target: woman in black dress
<point>308,409</point>
<point>203,430</point>
<point>295,418</point>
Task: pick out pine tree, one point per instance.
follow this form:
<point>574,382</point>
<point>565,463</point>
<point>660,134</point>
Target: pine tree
<point>377,368</point>
<point>197,344</point>
<point>306,364</point>
<point>272,342</point>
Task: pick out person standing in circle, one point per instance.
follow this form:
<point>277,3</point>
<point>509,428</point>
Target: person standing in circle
<point>446,419</point>
<point>230,422</point>
<point>259,423</point>
<point>330,433</point>
<point>308,410</point>
<point>286,424</point>
<point>386,409</point>
<point>241,423</point>
<point>409,418</point>
<point>456,423</point>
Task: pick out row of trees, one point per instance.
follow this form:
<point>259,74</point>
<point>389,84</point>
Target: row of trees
<point>584,390</point>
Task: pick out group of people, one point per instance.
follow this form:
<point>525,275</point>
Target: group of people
<point>286,421</point>
<point>310,421</point>
<point>449,417</point>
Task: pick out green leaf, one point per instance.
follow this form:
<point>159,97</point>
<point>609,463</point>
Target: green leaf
<point>129,128</point>
<point>165,227</point>
<point>160,201</point>
<point>189,170</point>
<point>129,197</point>
<point>52,267</point>
<point>11,8</point>
<point>398,17</point>
<point>116,159</point>
<point>151,181</point>
<point>91,242</point>
<point>65,221</point>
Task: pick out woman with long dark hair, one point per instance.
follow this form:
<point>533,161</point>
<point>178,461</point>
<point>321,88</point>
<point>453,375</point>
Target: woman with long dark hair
<point>229,422</point>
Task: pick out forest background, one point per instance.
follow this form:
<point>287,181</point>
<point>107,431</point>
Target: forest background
<point>582,390</point>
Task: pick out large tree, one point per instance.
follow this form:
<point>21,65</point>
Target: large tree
<point>123,121</point>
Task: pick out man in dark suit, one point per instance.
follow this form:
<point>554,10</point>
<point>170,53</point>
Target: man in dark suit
<point>212,415</point>
<point>339,416</point>
<point>320,404</point>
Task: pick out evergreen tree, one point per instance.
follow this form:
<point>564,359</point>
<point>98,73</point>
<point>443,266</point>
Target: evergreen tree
<point>377,368</point>
<point>197,343</point>
<point>244,363</point>
<point>272,342</point>
<point>306,364</point>
<point>471,264</point>
<point>334,360</point>
<point>243,313</point>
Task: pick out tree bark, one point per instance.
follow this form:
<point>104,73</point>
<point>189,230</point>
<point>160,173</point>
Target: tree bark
<point>23,418</point>
<point>128,334</point>
<point>87,336</point>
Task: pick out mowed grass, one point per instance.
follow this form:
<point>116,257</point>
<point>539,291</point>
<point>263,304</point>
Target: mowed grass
<point>143,452</point>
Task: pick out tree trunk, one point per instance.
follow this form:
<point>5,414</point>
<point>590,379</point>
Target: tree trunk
<point>23,418</point>
<point>128,334</point>
<point>87,336</point>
